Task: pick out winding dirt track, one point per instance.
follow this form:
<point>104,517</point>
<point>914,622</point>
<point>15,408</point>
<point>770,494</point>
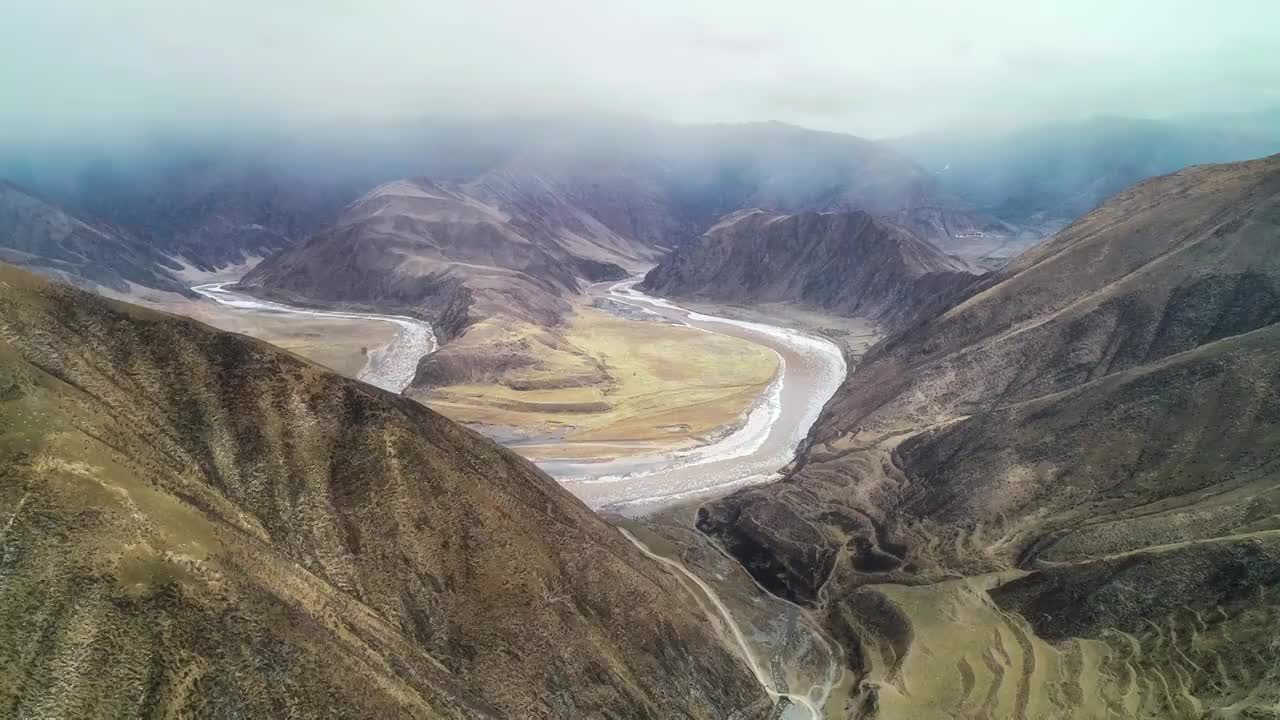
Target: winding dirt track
<point>739,639</point>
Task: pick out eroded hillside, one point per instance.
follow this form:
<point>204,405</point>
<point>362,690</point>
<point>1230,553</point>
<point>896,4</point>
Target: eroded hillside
<point>847,263</point>
<point>197,523</point>
<point>1090,439</point>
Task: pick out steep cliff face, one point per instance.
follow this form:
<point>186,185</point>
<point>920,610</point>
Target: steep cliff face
<point>197,523</point>
<point>1091,437</point>
<point>848,263</point>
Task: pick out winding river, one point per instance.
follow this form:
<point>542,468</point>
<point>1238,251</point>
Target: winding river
<point>810,369</point>
<point>390,368</point>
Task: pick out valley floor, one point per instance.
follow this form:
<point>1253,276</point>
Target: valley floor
<point>340,345</point>
<point>604,387</point>
<point>599,387</point>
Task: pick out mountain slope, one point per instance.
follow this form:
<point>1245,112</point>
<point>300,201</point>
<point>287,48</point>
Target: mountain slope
<point>848,263</point>
<point>198,523</point>
<point>1044,177</point>
<point>1090,439</point>
<point>39,235</point>
<point>216,207</point>
<point>665,185</point>
<point>417,246</point>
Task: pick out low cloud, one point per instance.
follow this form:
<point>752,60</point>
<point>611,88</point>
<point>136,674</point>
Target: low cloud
<point>86,70</point>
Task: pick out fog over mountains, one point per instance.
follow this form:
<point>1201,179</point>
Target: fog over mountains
<point>951,388</point>
<point>1046,176</point>
<point>211,204</point>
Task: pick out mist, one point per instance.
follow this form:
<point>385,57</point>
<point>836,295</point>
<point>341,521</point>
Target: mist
<point>119,70</point>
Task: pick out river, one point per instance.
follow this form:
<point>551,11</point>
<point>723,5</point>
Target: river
<point>810,368</point>
<point>390,368</point>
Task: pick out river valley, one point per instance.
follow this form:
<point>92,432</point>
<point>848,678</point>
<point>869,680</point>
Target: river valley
<point>766,631</point>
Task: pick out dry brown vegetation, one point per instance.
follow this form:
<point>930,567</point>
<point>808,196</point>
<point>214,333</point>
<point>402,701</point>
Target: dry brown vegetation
<point>1058,498</point>
<point>601,384</point>
<point>193,523</point>
<point>339,344</point>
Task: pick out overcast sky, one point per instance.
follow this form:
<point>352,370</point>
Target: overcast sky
<point>886,68</point>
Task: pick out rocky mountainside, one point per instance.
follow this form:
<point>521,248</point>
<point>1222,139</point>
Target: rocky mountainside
<point>465,252</point>
<point>1091,439</point>
<point>44,237</point>
<point>196,523</point>
<point>844,262</point>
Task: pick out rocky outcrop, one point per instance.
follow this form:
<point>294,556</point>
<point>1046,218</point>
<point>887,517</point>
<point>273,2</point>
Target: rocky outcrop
<point>197,523</point>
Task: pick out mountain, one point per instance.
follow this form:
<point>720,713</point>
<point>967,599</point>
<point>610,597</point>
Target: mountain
<point>666,184</point>
<point>213,209</point>
<point>1043,177</point>
<point>490,247</point>
<point>44,237</point>
<point>199,524</point>
<point>1060,495</point>
<point>217,199</point>
<point>514,245</point>
<point>844,262</point>
<point>221,199</point>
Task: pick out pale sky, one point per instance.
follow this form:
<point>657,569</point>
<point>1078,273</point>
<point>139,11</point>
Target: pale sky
<point>76,68</point>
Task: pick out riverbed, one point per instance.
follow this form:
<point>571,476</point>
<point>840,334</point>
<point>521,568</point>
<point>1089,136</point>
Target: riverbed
<point>390,368</point>
<point>810,370</point>
<point>751,451</point>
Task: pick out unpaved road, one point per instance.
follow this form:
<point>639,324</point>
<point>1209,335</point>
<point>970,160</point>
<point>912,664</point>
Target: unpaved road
<point>732,625</point>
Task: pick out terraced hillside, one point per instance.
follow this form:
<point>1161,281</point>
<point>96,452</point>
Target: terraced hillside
<point>193,523</point>
<point>1061,496</point>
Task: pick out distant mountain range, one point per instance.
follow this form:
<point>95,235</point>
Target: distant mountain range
<point>650,187</point>
<point>520,240</point>
<point>620,192</point>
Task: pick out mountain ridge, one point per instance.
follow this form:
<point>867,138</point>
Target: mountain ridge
<point>204,522</point>
<point>42,236</point>
<point>1087,438</point>
<point>850,263</point>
